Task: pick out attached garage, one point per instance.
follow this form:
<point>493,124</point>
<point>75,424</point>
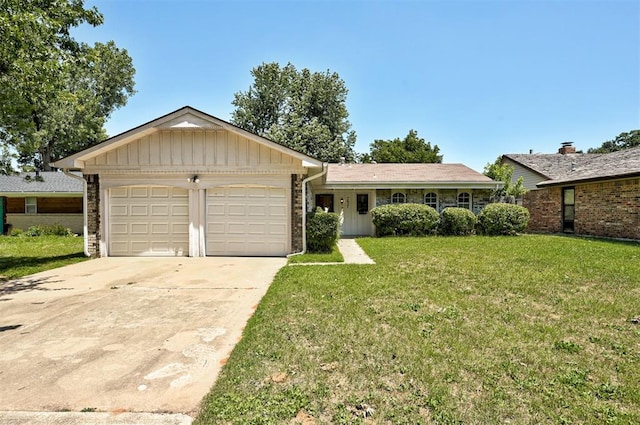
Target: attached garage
<point>190,184</point>
<point>148,221</point>
<point>247,220</point>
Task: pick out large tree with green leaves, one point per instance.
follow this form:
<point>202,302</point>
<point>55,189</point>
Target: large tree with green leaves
<point>411,149</point>
<point>502,172</point>
<point>303,110</point>
<point>56,93</point>
<point>623,141</point>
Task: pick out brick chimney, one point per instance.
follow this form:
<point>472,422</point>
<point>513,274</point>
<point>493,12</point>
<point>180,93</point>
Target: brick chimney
<point>567,147</point>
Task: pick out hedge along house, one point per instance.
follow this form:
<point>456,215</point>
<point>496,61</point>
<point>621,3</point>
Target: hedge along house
<point>43,198</point>
<point>584,194</point>
<point>352,190</point>
<point>190,184</point>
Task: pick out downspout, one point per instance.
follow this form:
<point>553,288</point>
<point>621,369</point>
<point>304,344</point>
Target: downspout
<point>84,208</point>
<point>325,167</point>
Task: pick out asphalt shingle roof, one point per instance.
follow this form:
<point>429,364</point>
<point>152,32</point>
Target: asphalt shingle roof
<point>559,168</point>
<point>52,181</point>
<point>402,173</point>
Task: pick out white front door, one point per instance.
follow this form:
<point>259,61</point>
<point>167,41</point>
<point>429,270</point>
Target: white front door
<point>354,208</point>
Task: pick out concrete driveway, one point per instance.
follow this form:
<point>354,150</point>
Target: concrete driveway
<point>125,334</point>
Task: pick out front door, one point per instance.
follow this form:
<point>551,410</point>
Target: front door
<point>354,208</point>
<point>568,209</point>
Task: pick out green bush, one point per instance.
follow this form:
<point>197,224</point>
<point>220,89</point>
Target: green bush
<point>16,232</point>
<point>322,230</point>
<point>405,220</point>
<point>50,230</point>
<point>503,219</point>
<point>457,222</point>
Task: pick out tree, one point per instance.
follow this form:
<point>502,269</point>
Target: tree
<point>56,93</point>
<point>623,141</point>
<point>303,110</point>
<point>504,173</point>
<point>411,149</point>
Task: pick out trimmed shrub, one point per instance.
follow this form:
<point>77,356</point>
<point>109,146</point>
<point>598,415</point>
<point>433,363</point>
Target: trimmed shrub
<point>405,220</point>
<point>503,219</point>
<point>456,221</point>
<point>51,230</point>
<point>323,230</point>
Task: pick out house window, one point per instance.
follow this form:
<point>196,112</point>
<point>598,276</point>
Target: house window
<point>398,198</point>
<point>568,209</point>
<point>362,200</point>
<point>325,201</point>
<point>464,200</point>
<point>431,199</point>
<point>30,205</point>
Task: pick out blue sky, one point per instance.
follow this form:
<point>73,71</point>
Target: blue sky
<point>477,78</point>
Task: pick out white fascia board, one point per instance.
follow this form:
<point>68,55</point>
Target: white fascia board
<point>416,185</point>
<point>307,161</point>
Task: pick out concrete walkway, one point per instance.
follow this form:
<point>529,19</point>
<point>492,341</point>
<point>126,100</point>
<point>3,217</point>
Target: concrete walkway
<point>351,252</point>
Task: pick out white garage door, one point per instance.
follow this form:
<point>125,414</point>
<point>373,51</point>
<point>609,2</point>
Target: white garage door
<point>247,220</point>
<point>148,220</point>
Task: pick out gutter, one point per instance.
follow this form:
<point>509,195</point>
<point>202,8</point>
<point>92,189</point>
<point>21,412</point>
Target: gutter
<point>84,208</point>
<point>325,168</point>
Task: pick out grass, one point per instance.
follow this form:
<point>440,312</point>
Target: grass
<point>474,330</point>
<point>22,256</point>
<point>330,257</point>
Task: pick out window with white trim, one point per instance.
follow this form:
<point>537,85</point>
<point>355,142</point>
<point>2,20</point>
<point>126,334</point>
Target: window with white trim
<point>398,198</point>
<point>464,200</point>
<point>30,205</point>
<point>431,199</point>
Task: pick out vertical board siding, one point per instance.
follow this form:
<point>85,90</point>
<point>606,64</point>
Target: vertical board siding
<point>193,147</point>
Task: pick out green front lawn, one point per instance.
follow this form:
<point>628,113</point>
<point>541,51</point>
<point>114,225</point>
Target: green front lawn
<point>21,256</point>
<point>312,257</point>
<point>479,330</point>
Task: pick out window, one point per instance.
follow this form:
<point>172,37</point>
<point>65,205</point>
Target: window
<point>30,205</point>
<point>325,202</point>
<point>398,198</point>
<point>363,203</point>
<point>568,209</point>
<point>431,199</point>
<point>464,200</point>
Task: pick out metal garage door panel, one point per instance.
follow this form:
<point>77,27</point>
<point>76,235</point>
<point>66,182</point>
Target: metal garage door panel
<point>247,220</point>
<point>148,221</point>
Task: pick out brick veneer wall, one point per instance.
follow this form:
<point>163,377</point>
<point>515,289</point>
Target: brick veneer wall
<point>607,209</point>
<point>610,209</point>
<point>296,212</point>
<point>93,214</point>
<point>545,207</point>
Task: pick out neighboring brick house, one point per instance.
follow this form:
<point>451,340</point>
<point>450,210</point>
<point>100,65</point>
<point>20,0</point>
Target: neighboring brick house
<point>585,194</point>
<point>45,198</point>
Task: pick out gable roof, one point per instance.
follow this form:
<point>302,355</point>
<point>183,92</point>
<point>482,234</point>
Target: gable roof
<point>549,166</point>
<point>620,164</point>
<point>567,168</point>
<point>49,182</point>
<point>185,117</point>
<point>406,175</point>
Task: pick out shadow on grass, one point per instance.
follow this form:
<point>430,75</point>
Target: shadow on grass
<point>14,262</point>
<point>11,284</point>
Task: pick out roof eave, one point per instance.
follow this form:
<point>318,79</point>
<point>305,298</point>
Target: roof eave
<point>564,182</point>
<point>77,161</point>
<point>411,185</point>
